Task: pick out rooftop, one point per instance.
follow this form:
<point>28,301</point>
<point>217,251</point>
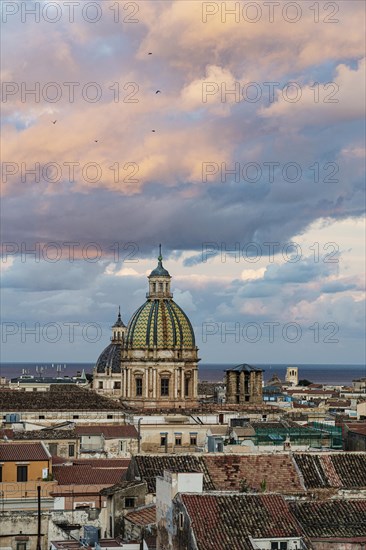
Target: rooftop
<point>148,467</point>
<point>108,431</point>
<point>57,398</point>
<point>346,470</point>
<point>85,474</point>
<point>342,519</point>
<point>228,471</point>
<point>44,434</point>
<point>143,516</point>
<point>10,452</point>
<point>282,472</point>
<point>228,521</point>
<point>357,427</point>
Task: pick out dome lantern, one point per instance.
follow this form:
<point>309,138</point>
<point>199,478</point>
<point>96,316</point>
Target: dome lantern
<point>118,329</point>
<point>159,281</point>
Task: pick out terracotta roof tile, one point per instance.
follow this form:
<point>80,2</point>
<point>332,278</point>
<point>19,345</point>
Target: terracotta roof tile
<point>109,432</point>
<point>345,470</point>
<point>342,519</point>
<point>22,451</point>
<point>228,471</point>
<point>144,516</point>
<point>225,522</point>
<point>358,428</point>
<point>57,398</point>
<point>87,475</point>
<point>151,466</point>
<point>44,434</point>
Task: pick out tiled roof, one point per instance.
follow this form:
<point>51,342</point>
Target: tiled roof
<point>333,518</point>
<point>45,434</point>
<point>281,472</point>
<point>10,452</point>
<point>57,398</point>
<point>120,486</point>
<point>228,471</point>
<point>87,475</point>
<point>247,431</point>
<point>94,462</point>
<point>103,462</point>
<point>358,428</point>
<point>144,516</point>
<point>109,432</point>
<point>344,470</point>
<point>7,433</point>
<point>225,522</point>
<point>150,466</point>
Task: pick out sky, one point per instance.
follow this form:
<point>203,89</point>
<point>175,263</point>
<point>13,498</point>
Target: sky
<point>231,133</point>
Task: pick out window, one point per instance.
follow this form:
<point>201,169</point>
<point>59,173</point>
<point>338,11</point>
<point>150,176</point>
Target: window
<point>163,439</point>
<point>100,385</point>
<point>193,439</point>
<point>164,387</point>
<point>178,439</point>
<point>123,446</point>
<point>21,546</point>
<point>109,416</point>
<point>52,447</point>
<point>279,545</point>
<point>138,387</point>
<point>22,473</point>
<point>181,521</point>
<point>186,387</point>
<point>1,474</point>
<point>71,449</point>
<point>41,417</point>
<point>117,385</point>
<point>75,416</point>
<point>129,502</point>
<point>34,389</point>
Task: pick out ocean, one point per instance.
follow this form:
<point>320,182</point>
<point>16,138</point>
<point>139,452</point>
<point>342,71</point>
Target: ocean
<point>211,372</point>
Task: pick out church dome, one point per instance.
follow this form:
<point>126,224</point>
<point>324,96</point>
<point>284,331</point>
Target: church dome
<point>110,358</point>
<point>161,323</point>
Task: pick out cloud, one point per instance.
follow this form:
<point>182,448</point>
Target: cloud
<point>342,99</point>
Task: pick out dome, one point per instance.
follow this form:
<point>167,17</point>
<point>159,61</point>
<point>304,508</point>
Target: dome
<point>160,323</point>
<point>110,358</point>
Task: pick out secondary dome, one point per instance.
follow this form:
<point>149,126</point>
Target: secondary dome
<point>110,358</point>
<point>161,323</point>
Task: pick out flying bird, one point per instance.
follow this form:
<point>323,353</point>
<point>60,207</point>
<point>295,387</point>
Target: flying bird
<point>150,53</point>
<point>54,121</point>
<point>158,92</point>
<point>95,141</point>
<point>153,130</point>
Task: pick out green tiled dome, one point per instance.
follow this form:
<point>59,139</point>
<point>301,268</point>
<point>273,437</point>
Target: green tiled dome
<point>160,323</point>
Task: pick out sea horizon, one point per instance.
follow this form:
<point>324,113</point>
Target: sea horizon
<point>327,373</point>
